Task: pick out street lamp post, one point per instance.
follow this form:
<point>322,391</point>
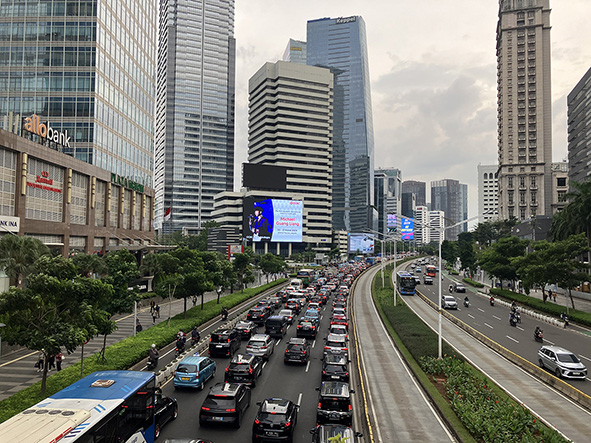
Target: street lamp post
<point>385,236</point>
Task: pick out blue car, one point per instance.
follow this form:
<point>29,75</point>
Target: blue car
<point>193,372</point>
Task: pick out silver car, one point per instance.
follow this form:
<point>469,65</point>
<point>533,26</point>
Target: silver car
<point>448,302</point>
<point>562,362</point>
<point>261,345</point>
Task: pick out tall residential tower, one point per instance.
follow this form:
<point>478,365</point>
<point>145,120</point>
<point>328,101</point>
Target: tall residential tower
<point>194,147</point>
<point>524,109</point>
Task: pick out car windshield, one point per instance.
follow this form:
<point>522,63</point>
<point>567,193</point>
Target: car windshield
<point>256,344</point>
<point>568,358</point>
<point>334,404</point>
<point>188,369</point>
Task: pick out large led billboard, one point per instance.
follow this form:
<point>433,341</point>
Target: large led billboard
<point>361,243</point>
<point>273,220</point>
<point>264,176</point>
<point>391,223</point>
<point>407,227</point>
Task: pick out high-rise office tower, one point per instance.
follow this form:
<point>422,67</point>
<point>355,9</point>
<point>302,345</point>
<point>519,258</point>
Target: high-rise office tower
<point>387,195</point>
<point>488,193</point>
<point>524,109</point>
<point>194,142</point>
<point>88,68</point>
<point>340,45</point>
<point>422,231</point>
<point>295,52</point>
<point>450,196</point>
<point>579,130</point>
<point>290,125</point>
<point>417,188</point>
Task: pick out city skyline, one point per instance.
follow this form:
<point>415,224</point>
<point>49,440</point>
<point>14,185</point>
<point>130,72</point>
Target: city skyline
<point>433,82</point>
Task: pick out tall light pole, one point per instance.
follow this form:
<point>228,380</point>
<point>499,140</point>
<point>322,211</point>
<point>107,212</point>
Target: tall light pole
<point>382,250</point>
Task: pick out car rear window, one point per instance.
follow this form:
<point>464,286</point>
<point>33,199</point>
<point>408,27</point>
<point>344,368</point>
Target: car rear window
<point>335,344</point>
<point>335,368</point>
<point>296,348</point>
<point>256,344</point>
<point>273,417</point>
<point>239,366</point>
<point>274,322</point>
<point>334,404</point>
<point>219,338</point>
<point>219,402</point>
<point>188,369</point>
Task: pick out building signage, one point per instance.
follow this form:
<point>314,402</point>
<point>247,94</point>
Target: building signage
<point>44,182</point>
<point>33,124</point>
<point>343,20</point>
<point>122,181</point>
<point>10,224</point>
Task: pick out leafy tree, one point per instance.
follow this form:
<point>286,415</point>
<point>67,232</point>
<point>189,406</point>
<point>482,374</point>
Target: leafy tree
<point>58,308</point>
<point>17,256</point>
<point>491,231</point>
<point>271,264</point>
<point>241,266</point>
<point>449,251</point>
<point>466,251</point>
<point>89,264</point>
<point>496,260</point>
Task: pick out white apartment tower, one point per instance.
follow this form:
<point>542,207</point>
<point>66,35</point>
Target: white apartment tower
<point>488,192</point>
<point>290,124</point>
<point>422,231</point>
<point>437,226</point>
<point>524,109</point>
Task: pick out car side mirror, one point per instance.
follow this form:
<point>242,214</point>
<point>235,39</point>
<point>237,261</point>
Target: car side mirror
<point>318,389</point>
<point>352,391</point>
<point>312,431</point>
<point>259,403</point>
<point>358,434</point>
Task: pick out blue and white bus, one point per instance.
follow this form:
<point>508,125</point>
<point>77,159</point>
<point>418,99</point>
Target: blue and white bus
<point>107,406</point>
<point>406,283</point>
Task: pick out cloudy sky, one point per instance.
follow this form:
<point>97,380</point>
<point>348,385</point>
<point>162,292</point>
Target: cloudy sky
<point>433,76</point>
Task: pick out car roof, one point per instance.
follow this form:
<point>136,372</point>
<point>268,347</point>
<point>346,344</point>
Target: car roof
<point>335,359</point>
<point>192,360</point>
<point>242,358</point>
<point>297,341</point>
<point>557,349</point>
<point>275,405</point>
<point>260,337</point>
<point>276,317</point>
<point>286,310</point>
<point>226,389</point>
<point>334,389</point>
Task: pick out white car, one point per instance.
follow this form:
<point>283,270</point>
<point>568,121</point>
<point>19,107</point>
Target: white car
<point>288,314</point>
<point>448,302</point>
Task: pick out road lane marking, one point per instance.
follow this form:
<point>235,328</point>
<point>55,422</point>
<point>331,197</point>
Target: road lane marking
<point>308,366</point>
<point>521,329</point>
<point>552,343</point>
<point>586,358</point>
<point>277,342</point>
<point>470,315</point>
<point>498,318</point>
<point>511,338</point>
<point>314,343</point>
<point>299,399</point>
<point>481,310</point>
<point>486,324</point>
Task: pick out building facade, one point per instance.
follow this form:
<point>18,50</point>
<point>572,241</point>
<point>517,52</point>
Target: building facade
<point>436,226</point>
<point>579,130</point>
<point>387,187</point>
<point>488,193</point>
<point>419,189</point>
<point>194,138</point>
<point>290,124</point>
<point>295,52</point>
<point>560,185</point>
<point>68,204</point>
<point>340,45</point>
<point>450,197</point>
<point>422,231</point>
<point>524,109</point>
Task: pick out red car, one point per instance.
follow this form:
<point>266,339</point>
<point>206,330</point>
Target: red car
<point>339,319</point>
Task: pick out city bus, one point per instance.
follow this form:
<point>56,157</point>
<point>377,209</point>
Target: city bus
<point>406,283</point>
<point>431,271</point>
<point>307,276</point>
<point>106,406</point>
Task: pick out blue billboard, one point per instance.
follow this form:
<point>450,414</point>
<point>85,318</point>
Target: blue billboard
<point>407,228</point>
<point>273,220</point>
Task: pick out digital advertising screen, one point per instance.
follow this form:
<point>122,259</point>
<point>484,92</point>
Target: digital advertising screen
<point>272,220</point>
<point>264,176</point>
<point>361,243</point>
<point>407,228</point>
<point>391,223</point>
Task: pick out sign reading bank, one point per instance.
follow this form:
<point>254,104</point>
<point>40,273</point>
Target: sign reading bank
<point>10,224</point>
<point>33,124</point>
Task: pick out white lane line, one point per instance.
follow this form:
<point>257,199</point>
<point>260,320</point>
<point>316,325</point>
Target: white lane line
<point>308,366</point>
<point>586,358</point>
<point>521,329</point>
<point>265,364</point>
<point>470,315</point>
<point>511,338</point>
<point>314,343</point>
<point>299,399</point>
<point>481,310</point>
<point>498,318</point>
<point>486,324</point>
<point>277,342</point>
<point>552,343</point>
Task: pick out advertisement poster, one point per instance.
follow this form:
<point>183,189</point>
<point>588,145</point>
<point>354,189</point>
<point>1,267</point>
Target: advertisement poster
<point>406,228</point>
<point>361,243</point>
<point>272,220</point>
<point>391,223</point>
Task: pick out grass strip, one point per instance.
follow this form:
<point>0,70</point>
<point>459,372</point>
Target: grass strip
<point>127,352</point>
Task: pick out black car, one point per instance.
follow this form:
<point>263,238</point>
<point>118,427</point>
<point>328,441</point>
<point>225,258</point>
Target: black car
<point>335,372</point>
<point>224,342</point>
<point>258,315</point>
<point>276,326</point>
<point>165,409</point>
<point>225,403</point>
<point>306,328</point>
<point>334,403</point>
<point>246,328</point>
<point>298,351</point>
<point>244,369</point>
<point>275,420</point>
<point>427,280</point>
<point>327,433</point>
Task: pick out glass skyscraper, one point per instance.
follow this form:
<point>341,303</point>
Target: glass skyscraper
<point>87,67</point>
<point>340,45</point>
<point>194,144</point>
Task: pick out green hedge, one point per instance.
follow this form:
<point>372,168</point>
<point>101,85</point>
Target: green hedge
<point>549,307</point>
<point>471,282</point>
<point>127,352</point>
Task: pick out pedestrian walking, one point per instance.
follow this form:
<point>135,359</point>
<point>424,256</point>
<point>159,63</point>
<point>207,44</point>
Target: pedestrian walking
<point>138,325</point>
<point>554,296</point>
<point>139,305</point>
<point>154,317</point>
<point>152,306</point>
<point>58,360</point>
<point>157,310</point>
<point>50,362</point>
<point>40,361</point>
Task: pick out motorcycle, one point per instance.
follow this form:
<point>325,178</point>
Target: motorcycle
<point>492,301</point>
<point>224,314</point>
<point>466,303</point>
<point>512,320</point>
<point>518,316</point>
<point>539,336</point>
<point>194,341</point>
<point>152,363</point>
<point>564,318</point>
<point>180,347</point>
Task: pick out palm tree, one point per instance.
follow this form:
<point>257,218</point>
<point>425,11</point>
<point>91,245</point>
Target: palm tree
<point>575,218</point>
<point>17,255</point>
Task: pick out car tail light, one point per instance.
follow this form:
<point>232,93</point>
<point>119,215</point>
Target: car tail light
<point>288,424</point>
<point>228,369</point>
<point>250,370</point>
<point>326,347</point>
<point>256,421</point>
<point>228,340</point>
<point>210,339</point>
<point>286,351</point>
<point>203,408</point>
<point>263,347</point>
<point>349,407</point>
<point>234,410</point>
<point>299,326</point>
<point>319,405</point>
<point>324,372</point>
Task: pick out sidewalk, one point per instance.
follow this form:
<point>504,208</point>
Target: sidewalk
<point>17,369</point>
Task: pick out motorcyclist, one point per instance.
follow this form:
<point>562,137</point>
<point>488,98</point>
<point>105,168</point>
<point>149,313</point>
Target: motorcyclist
<point>491,300</point>
<point>180,342</point>
<point>224,313</point>
<point>451,289</point>
<point>195,337</point>
<point>537,331</point>
<point>514,307</point>
<point>153,355</point>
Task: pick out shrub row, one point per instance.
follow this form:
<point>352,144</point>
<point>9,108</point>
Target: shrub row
<point>127,352</point>
<point>489,417</point>
<point>548,307</point>
<point>471,282</point>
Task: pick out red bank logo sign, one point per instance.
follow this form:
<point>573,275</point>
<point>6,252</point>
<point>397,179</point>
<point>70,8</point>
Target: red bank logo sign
<point>33,124</point>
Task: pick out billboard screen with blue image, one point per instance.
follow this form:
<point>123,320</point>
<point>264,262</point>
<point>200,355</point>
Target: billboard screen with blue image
<point>407,227</point>
<point>273,220</point>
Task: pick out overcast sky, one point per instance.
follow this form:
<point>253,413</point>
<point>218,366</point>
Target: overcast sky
<point>433,76</point>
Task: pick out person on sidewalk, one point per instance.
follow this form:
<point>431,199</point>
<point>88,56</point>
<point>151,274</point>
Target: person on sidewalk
<point>154,317</point>
<point>157,308</point>
<point>554,296</point>
<point>50,362</point>
<point>58,360</point>
<point>40,361</point>
<point>152,306</point>
<point>138,325</point>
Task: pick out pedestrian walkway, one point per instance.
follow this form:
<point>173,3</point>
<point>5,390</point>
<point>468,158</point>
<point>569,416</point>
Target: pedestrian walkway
<point>17,370</point>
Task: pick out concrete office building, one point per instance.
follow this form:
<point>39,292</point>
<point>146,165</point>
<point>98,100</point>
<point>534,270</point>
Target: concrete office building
<point>295,52</point>
<point>419,189</point>
<point>290,124</point>
<point>194,141</point>
<point>488,193</point>
<point>340,45</point>
<point>560,185</point>
<point>579,130</point>
<point>450,197</point>
<point>408,204</point>
<point>422,220</point>
<point>524,109</point>
<point>387,186</point>
<point>436,224</point>
<point>85,67</point>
